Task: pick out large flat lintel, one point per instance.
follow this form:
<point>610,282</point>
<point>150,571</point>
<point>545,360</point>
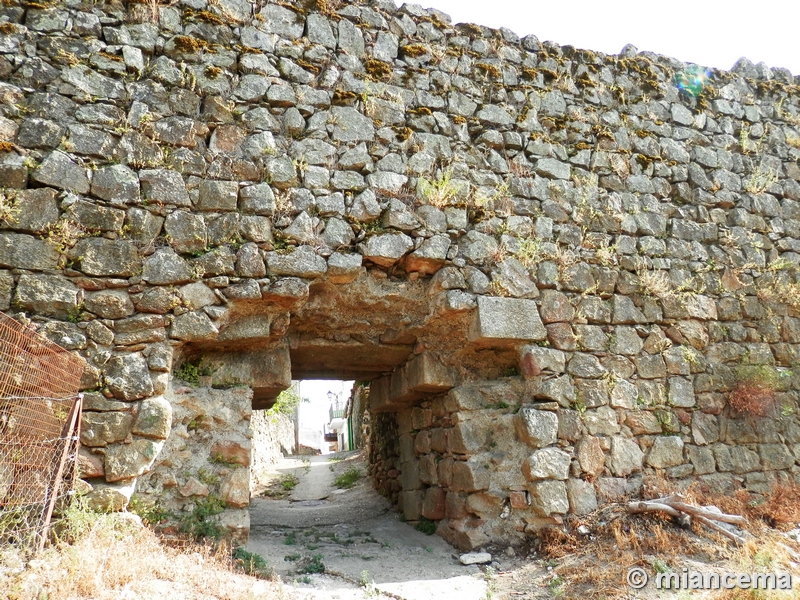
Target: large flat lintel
<point>327,359</point>
<point>268,372</point>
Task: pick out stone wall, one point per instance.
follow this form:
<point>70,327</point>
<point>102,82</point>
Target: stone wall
<point>273,438</point>
<point>205,459</point>
<point>371,192</point>
<point>384,456</point>
<point>358,413</point>
<point>498,460</point>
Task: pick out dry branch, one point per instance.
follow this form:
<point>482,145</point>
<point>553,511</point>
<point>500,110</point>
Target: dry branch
<point>676,507</point>
<point>737,539</point>
<point>651,506</point>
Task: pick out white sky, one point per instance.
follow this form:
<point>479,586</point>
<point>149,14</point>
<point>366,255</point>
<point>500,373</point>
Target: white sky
<point>708,33</point>
<point>314,413</point>
<point>317,390</point>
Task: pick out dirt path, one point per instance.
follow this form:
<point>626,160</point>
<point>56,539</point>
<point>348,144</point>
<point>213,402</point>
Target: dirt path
<point>366,551</point>
<point>316,480</point>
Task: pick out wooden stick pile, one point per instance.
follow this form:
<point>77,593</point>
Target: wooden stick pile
<point>684,513</point>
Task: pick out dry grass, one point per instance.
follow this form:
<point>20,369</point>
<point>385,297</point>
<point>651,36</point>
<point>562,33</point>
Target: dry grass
<point>782,292</point>
<point>752,398</point>
<point>596,566</point>
<point>498,255</point>
<point>529,252</point>
<point>754,393</point>
<point>782,508</point>
<point>760,181</point>
<point>9,211</point>
<point>599,567</point>
<point>439,192</point>
<point>655,283</point>
<point>519,169</point>
<point>557,544</point>
<point>112,557</point>
<point>64,234</point>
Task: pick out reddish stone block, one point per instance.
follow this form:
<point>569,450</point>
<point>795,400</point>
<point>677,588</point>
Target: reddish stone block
<point>231,452</point>
<point>519,500</point>
<point>455,505</point>
<point>433,505</point>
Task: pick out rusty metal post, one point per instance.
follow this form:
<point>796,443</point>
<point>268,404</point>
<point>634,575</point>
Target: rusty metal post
<point>72,428</point>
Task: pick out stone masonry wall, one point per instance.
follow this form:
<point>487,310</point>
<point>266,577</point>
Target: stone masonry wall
<point>602,246</point>
<point>359,416</point>
<point>206,459</point>
<point>497,460</point>
<point>273,438</point>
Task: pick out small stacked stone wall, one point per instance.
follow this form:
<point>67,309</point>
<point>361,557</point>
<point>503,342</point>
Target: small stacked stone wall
<point>205,459</point>
<point>384,453</point>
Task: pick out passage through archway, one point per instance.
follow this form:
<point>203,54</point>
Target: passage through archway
<point>317,511</point>
<point>408,342</point>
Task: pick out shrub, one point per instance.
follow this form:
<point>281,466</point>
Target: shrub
<point>150,511</point>
<point>311,564</point>
<point>426,526</point>
<point>251,563</point>
<point>287,401</point>
<point>754,393</point>
<point>348,479</point>
<point>200,523</point>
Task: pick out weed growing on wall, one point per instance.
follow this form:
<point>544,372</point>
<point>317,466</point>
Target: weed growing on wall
<point>780,291</point>
<point>754,393</point>
<point>200,523</point>
<point>150,511</point>
<point>9,211</point>
<point>438,192</point>
<point>760,181</point>
<point>192,370</point>
<point>65,234</point>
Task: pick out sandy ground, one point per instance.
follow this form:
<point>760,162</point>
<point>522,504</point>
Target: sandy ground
<point>367,552</point>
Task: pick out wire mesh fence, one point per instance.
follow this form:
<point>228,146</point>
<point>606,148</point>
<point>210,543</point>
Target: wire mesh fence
<point>39,424</point>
